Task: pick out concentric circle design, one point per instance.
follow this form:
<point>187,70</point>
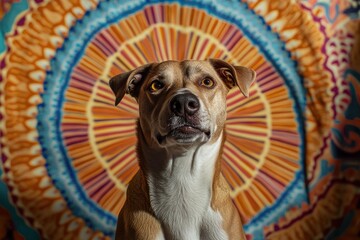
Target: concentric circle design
<point>64,139</point>
<point>97,141</point>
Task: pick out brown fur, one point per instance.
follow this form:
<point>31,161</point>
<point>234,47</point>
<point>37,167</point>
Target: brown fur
<point>137,219</point>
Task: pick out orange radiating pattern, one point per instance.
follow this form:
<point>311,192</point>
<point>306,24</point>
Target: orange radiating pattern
<point>262,151</point>
<point>102,142</point>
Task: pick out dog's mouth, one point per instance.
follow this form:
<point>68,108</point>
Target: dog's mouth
<point>185,134</point>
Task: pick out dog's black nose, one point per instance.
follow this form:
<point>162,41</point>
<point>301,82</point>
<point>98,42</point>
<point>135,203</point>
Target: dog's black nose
<point>186,103</point>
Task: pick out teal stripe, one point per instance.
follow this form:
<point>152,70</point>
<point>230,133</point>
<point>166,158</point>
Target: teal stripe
<point>8,20</point>
<point>338,232</point>
<point>20,224</point>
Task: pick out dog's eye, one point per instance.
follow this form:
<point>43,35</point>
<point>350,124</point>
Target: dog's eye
<point>207,82</point>
<point>156,86</point>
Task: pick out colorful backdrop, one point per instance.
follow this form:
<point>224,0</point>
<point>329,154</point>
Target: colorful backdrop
<point>292,156</point>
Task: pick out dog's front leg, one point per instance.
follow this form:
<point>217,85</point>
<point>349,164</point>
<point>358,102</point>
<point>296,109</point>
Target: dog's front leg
<point>136,220</point>
<point>138,225</point>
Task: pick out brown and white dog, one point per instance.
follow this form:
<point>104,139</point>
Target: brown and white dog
<point>179,191</point>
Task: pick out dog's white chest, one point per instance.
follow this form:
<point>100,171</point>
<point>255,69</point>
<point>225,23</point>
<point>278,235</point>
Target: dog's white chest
<point>209,229</point>
<point>181,196</point>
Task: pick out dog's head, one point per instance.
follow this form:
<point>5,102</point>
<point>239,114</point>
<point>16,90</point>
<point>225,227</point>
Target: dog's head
<point>182,103</point>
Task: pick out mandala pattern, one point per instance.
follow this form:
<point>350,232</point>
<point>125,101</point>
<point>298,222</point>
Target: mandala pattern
<point>292,149</point>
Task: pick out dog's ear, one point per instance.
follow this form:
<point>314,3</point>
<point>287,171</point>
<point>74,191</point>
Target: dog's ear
<point>129,82</point>
<point>240,76</point>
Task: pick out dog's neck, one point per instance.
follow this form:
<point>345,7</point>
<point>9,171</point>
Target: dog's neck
<point>180,185</point>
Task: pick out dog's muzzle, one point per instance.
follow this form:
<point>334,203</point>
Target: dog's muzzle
<point>185,124</point>
<point>184,105</point>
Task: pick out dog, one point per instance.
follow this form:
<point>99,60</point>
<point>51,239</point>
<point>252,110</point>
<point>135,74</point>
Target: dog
<point>179,191</point>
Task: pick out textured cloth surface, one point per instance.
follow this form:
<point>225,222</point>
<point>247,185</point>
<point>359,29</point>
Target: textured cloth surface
<point>292,154</point>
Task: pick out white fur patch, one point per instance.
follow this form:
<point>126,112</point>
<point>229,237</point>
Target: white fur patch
<point>180,195</point>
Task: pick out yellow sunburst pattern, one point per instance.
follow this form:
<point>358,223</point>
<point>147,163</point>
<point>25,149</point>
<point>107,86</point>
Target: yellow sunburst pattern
<point>68,153</point>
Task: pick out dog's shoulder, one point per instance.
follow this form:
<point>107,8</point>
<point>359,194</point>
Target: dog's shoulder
<point>136,220</point>
<point>223,204</point>
<point>138,224</point>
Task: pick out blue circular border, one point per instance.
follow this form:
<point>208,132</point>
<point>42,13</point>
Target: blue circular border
<point>59,164</point>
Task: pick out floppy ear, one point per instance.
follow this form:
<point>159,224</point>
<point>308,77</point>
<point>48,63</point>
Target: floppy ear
<point>240,76</point>
<point>129,82</point>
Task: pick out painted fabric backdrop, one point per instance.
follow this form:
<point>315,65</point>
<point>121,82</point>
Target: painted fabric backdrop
<point>292,156</point>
